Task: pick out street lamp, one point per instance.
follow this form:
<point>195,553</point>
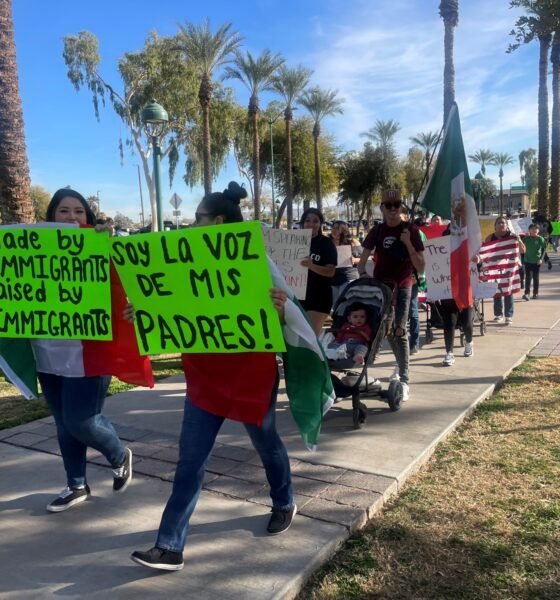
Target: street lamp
<point>155,119</point>
<point>270,124</point>
<point>141,196</point>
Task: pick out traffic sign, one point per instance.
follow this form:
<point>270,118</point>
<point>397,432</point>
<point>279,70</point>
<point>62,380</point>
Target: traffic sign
<point>175,201</point>
<point>176,213</point>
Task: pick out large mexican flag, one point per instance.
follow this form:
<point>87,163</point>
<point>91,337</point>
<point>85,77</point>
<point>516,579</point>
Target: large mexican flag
<point>449,194</point>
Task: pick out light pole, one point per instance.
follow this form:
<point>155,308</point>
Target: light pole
<point>98,204</point>
<point>155,119</point>
<point>141,197</point>
<point>270,124</point>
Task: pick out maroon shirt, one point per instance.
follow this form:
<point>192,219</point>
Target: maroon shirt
<point>392,261</point>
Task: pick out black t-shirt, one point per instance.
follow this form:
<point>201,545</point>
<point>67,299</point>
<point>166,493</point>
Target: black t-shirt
<point>323,252</point>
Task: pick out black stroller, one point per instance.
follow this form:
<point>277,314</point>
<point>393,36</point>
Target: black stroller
<point>434,320</point>
<point>377,298</point>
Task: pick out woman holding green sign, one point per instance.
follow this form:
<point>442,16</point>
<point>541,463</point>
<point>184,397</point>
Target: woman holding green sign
<point>74,377</point>
<point>242,387</point>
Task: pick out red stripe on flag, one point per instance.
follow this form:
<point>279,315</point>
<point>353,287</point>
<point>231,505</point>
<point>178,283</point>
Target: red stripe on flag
<point>461,276</point>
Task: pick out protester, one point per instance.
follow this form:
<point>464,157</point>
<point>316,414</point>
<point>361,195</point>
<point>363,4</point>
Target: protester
<point>321,263</point>
<point>75,400</point>
<point>436,220</point>
<point>535,249</point>
<point>355,334</point>
<point>252,378</point>
<point>341,236</point>
<point>397,250</point>
<point>504,304</point>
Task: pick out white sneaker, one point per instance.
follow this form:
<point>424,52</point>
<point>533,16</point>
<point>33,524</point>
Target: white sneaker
<point>405,392</point>
<point>499,319</point>
<point>448,360</point>
<point>395,376</point>
<point>469,351</point>
<point>509,320</point>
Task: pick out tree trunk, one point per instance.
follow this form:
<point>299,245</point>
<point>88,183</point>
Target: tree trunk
<point>544,138</point>
<point>448,70</point>
<point>254,114</point>
<point>16,205</point>
<point>554,202</point>
<point>205,97</point>
<point>318,199</point>
<point>289,187</point>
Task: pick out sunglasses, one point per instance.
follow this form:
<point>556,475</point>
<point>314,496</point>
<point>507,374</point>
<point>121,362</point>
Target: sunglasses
<point>198,216</point>
<point>392,205</point>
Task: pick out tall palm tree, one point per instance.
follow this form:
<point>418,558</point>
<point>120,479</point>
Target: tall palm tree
<point>537,24</point>
<point>449,12</point>
<point>528,168</point>
<point>320,104</point>
<point>482,157</point>
<point>501,159</point>
<point>208,51</point>
<point>257,75</point>
<point>382,133</point>
<point>16,205</point>
<point>554,200</point>
<point>290,84</point>
<point>427,142</point>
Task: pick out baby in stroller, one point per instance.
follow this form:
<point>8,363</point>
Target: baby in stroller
<point>355,334</point>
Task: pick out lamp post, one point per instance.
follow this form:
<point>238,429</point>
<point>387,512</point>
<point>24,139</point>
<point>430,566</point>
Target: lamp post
<point>155,119</point>
<point>141,197</point>
<point>270,124</point>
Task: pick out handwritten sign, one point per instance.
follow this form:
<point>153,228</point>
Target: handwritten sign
<point>344,256</point>
<point>287,249</point>
<point>519,226</point>
<point>555,227</point>
<point>204,289</point>
<point>438,272</point>
<point>54,283</point>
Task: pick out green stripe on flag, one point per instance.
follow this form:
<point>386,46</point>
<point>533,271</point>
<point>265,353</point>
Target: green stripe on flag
<point>18,364</point>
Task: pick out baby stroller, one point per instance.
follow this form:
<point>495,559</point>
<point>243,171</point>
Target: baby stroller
<point>377,298</point>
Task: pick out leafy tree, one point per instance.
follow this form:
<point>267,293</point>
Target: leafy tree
<point>501,159</point>
<point>482,157</point>
<point>207,52</point>
<point>16,205</point>
<point>257,75</point>
<point>483,189</point>
<point>537,24</point>
<point>529,170</point>
<point>449,12</point>
<point>157,71</point>
<point>121,221</point>
<point>320,104</point>
<point>414,174</point>
<point>427,142</point>
<point>290,84</point>
<point>93,202</point>
<point>40,198</point>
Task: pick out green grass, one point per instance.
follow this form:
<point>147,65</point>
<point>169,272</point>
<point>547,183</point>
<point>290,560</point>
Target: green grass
<point>15,410</point>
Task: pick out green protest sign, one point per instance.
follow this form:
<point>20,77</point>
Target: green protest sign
<point>203,289</point>
<point>555,227</point>
<point>54,283</point>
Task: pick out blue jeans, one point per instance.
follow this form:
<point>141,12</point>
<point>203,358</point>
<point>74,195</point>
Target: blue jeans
<point>198,435</point>
<point>399,343</point>
<point>414,317</point>
<point>76,404</point>
<point>503,304</point>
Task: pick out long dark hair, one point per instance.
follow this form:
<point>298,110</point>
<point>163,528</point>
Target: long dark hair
<point>345,237</point>
<point>226,203</point>
<point>65,193</point>
<point>312,211</point>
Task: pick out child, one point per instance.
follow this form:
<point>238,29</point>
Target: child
<point>355,333</point>
<point>534,254</point>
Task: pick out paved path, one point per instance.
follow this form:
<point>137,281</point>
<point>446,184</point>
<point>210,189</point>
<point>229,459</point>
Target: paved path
<point>84,552</point>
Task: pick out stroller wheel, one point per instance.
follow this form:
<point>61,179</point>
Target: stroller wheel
<point>483,328</point>
<point>394,395</point>
<point>359,417</point>
<point>429,337</point>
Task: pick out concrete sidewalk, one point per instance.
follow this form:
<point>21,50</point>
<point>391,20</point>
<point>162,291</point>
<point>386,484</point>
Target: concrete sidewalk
<point>85,551</point>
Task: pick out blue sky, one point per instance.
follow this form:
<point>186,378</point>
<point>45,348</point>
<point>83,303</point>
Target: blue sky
<point>384,56</point>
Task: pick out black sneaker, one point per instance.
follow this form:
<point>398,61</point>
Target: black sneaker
<point>68,497</point>
<point>158,558</point>
<point>122,476</point>
<point>281,520</point>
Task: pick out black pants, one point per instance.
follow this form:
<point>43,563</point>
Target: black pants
<point>450,314</point>
<point>532,272</point>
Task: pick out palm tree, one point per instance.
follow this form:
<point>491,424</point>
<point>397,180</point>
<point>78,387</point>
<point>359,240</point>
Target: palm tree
<point>16,205</point>
<point>382,133</point>
<point>501,159</point>
<point>554,200</point>
<point>537,24</point>
<point>529,171</point>
<point>427,142</point>
<point>257,75</point>
<point>320,104</point>
<point>208,51</point>
<point>290,84</point>
<point>482,157</point>
<point>449,12</point>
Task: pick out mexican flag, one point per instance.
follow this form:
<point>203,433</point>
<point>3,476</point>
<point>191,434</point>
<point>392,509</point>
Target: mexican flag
<point>77,358</point>
<point>306,371</point>
<point>449,194</point>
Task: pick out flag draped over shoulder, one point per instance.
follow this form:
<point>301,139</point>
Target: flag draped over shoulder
<point>306,372</point>
<point>500,264</point>
<point>88,358</point>
<point>449,194</point>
